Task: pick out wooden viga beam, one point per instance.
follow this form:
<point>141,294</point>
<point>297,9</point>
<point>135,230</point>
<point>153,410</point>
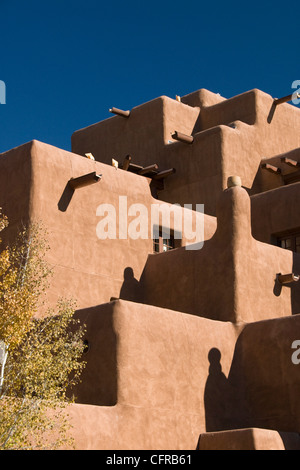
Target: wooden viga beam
<point>135,168</point>
<point>120,112</point>
<point>290,162</point>
<point>188,139</point>
<point>287,278</point>
<point>126,162</point>
<point>84,180</point>
<point>148,169</point>
<point>286,99</point>
<point>164,174</point>
<point>271,168</point>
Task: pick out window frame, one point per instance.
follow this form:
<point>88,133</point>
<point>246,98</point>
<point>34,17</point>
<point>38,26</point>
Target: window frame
<point>294,243</point>
<point>159,242</point>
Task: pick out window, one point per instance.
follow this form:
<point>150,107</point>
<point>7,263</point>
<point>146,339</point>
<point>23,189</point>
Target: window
<point>290,242</point>
<point>165,242</point>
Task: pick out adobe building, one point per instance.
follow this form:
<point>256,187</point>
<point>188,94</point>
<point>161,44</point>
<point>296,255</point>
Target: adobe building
<point>190,345</point>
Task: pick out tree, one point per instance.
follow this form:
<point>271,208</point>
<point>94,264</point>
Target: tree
<point>41,354</point>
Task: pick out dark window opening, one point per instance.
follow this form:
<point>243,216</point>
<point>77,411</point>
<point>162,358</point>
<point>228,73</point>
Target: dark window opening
<point>290,242</point>
<point>165,242</point>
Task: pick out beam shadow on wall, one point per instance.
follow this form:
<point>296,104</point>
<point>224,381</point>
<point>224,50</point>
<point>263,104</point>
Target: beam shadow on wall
<point>66,198</point>
<point>271,113</point>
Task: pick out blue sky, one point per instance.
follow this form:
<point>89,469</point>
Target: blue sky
<point>65,63</point>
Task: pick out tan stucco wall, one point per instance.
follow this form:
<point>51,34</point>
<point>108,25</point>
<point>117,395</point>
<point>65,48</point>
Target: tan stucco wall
<point>249,439</point>
<point>177,376</point>
<point>232,278</point>
<point>218,151</point>
<point>201,341</point>
<point>155,362</point>
<point>275,212</point>
<point>85,268</point>
<point>263,362</point>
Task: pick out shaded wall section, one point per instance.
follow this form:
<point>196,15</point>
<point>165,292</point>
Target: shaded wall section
<point>230,137</point>
<point>16,180</point>
<point>179,376</point>
<point>262,363</point>
<point>99,381</point>
<point>232,278</point>
<point>153,361</point>
<point>275,213</point>
<point>35,188</point>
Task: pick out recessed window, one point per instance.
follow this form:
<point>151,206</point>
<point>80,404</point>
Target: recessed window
<point>165,242</point>
<point>290,242</point>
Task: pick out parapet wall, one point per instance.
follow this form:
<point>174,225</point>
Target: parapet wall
<point>200,341</point>
<point>229,137</point>
<point>232,278</point>
<point>149,369</point>
<point>34,188</point>
<point>173,377</point>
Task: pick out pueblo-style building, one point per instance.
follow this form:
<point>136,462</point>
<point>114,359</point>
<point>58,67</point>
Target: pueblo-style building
<point>188,347</point>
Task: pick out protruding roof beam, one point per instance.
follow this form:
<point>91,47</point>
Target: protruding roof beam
<point>164,174</point>
<point>287,278</point>
<point>188,139</point>
<point>290,162</point>
<point>126,162</point>
<point>286,99</point>
<point>84,180</point>
<point>135,168</point>
<point>148,169</point>
<point>120,112</point>
<point>271,168</point>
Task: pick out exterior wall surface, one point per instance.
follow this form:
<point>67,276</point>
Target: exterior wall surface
<point>232,278</point>
<point>182,376</point>
<point>91,270</point>
<point>149,369</point>
<point>275,212</point>
<point>197,342</point>
<point>249,439</point>
<point>231,137</point>
<point>271,380</point>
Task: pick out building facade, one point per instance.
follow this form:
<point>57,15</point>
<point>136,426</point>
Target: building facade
<point>191,341</point>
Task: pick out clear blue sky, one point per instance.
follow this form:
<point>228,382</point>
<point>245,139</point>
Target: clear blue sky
<point>65,63</point>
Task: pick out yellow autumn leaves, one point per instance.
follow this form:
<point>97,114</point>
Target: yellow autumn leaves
<point>44,351</point>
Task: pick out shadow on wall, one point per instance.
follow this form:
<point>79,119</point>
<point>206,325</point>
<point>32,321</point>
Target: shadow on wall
<point>130,289</point>
<point>65,199</point>
<point>271,113</point>
<point>99,382</point>
<point>263,385</point>
<point>219,396</point>
<point>293,286</point>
